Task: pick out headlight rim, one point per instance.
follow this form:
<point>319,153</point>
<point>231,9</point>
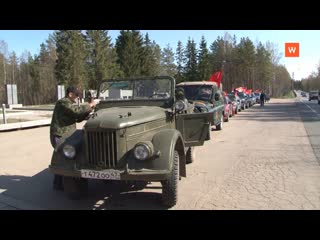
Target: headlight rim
<point>66,154</point>
<point>148,146</point>
<point>182,104</point>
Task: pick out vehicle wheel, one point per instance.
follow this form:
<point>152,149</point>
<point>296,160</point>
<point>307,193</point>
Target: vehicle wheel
<point>220,125</point>
<point>191,155</point>
<point>75,188</point>
<point>208,136</point>
<point>318,102</point>
<point>170,186</point>
<point>227,119</point>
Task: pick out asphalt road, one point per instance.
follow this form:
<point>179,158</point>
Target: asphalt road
<point>264,158</point>
<point>310,115</point>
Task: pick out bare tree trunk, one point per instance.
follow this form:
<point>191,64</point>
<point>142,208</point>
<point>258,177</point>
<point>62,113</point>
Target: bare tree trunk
<point>4,70</point>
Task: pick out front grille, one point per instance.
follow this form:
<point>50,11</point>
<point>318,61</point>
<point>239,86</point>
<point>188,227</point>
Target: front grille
<point>102,149</point>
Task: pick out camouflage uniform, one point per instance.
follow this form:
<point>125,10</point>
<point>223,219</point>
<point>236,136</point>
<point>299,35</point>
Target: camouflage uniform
<point>65,116</point>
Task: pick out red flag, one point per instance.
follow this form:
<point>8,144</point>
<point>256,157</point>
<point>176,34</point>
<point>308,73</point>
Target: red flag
<point>216,77</point>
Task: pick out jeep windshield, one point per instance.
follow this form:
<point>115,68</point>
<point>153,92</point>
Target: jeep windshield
<point>196,92</point>
<point>136,89</point>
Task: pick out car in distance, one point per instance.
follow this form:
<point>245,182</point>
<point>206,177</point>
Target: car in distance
<point>313,95</point>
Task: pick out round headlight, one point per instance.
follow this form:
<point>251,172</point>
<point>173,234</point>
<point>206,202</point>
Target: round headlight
<point>69,151</point>
<point>204,109</point>
<point>179,105</point>
<point>143,151</point>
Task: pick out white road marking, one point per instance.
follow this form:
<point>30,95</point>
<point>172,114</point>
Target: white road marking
<point>310,108</point>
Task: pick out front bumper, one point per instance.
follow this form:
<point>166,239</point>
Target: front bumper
<point>143,174</point>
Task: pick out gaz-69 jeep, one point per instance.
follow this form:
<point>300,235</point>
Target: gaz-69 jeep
<point>138,132</point>
<point>206,97</point>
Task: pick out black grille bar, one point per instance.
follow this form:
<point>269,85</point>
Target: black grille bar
<point>102,149</point>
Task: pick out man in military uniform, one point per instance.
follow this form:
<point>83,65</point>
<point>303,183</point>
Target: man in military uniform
<point>64,118</point>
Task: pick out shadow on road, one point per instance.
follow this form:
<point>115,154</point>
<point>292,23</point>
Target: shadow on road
<point>37,191</point>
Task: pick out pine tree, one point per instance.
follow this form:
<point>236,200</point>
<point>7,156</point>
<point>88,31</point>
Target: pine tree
<point>246,55</point>
<point>47,63</point>
<point>204,67</point>
<point>191,67</point>
<point>70,68</point>
<point>157,58</point>
<point>180,58</point>
<point>263,68</point>
<point>148,58</point>
<point>217,54</point>
<point>129,50</point>
<point>101,59</point>
<point>168,66</point>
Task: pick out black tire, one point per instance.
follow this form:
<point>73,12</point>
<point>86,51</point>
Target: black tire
<point>75,188</point>
<point>170,186</point>
<point>227,120</point>
<point>190,156</point>
<point>208,136</point>
<point>220,125</point>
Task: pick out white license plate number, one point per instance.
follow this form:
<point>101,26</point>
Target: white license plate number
<point>106,174</point>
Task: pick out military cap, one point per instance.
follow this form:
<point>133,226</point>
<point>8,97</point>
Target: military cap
<point>73,89</point>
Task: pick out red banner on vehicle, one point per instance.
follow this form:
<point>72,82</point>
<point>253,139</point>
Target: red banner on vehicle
<point>216,77</point>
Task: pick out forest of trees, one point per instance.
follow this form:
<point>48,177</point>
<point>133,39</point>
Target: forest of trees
<point>312,82</point>
<point>85,58</point>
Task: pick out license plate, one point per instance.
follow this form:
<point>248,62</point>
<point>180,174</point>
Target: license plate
<point>109,174</point>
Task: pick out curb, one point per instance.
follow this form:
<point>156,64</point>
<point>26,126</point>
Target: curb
<point>19,125</point>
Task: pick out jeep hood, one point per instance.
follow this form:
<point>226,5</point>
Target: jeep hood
<point>123,117</point>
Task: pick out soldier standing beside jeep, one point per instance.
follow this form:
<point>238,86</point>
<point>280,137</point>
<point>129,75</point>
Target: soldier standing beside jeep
<point>64,118</point>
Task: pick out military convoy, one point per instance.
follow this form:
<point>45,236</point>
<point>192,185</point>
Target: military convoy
<point>139,131</point>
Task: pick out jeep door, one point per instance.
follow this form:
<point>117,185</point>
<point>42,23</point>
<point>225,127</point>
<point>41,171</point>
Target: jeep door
<point>194,127</point>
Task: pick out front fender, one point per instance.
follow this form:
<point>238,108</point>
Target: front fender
<point>58,160</point>
<point>167,141</point>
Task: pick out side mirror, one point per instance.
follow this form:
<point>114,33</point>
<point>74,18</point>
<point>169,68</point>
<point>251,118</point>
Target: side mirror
<point>216,97</point>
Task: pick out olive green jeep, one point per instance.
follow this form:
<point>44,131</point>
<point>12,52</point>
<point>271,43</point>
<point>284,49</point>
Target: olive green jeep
<point>138,132</point>
<point>206,97</point>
